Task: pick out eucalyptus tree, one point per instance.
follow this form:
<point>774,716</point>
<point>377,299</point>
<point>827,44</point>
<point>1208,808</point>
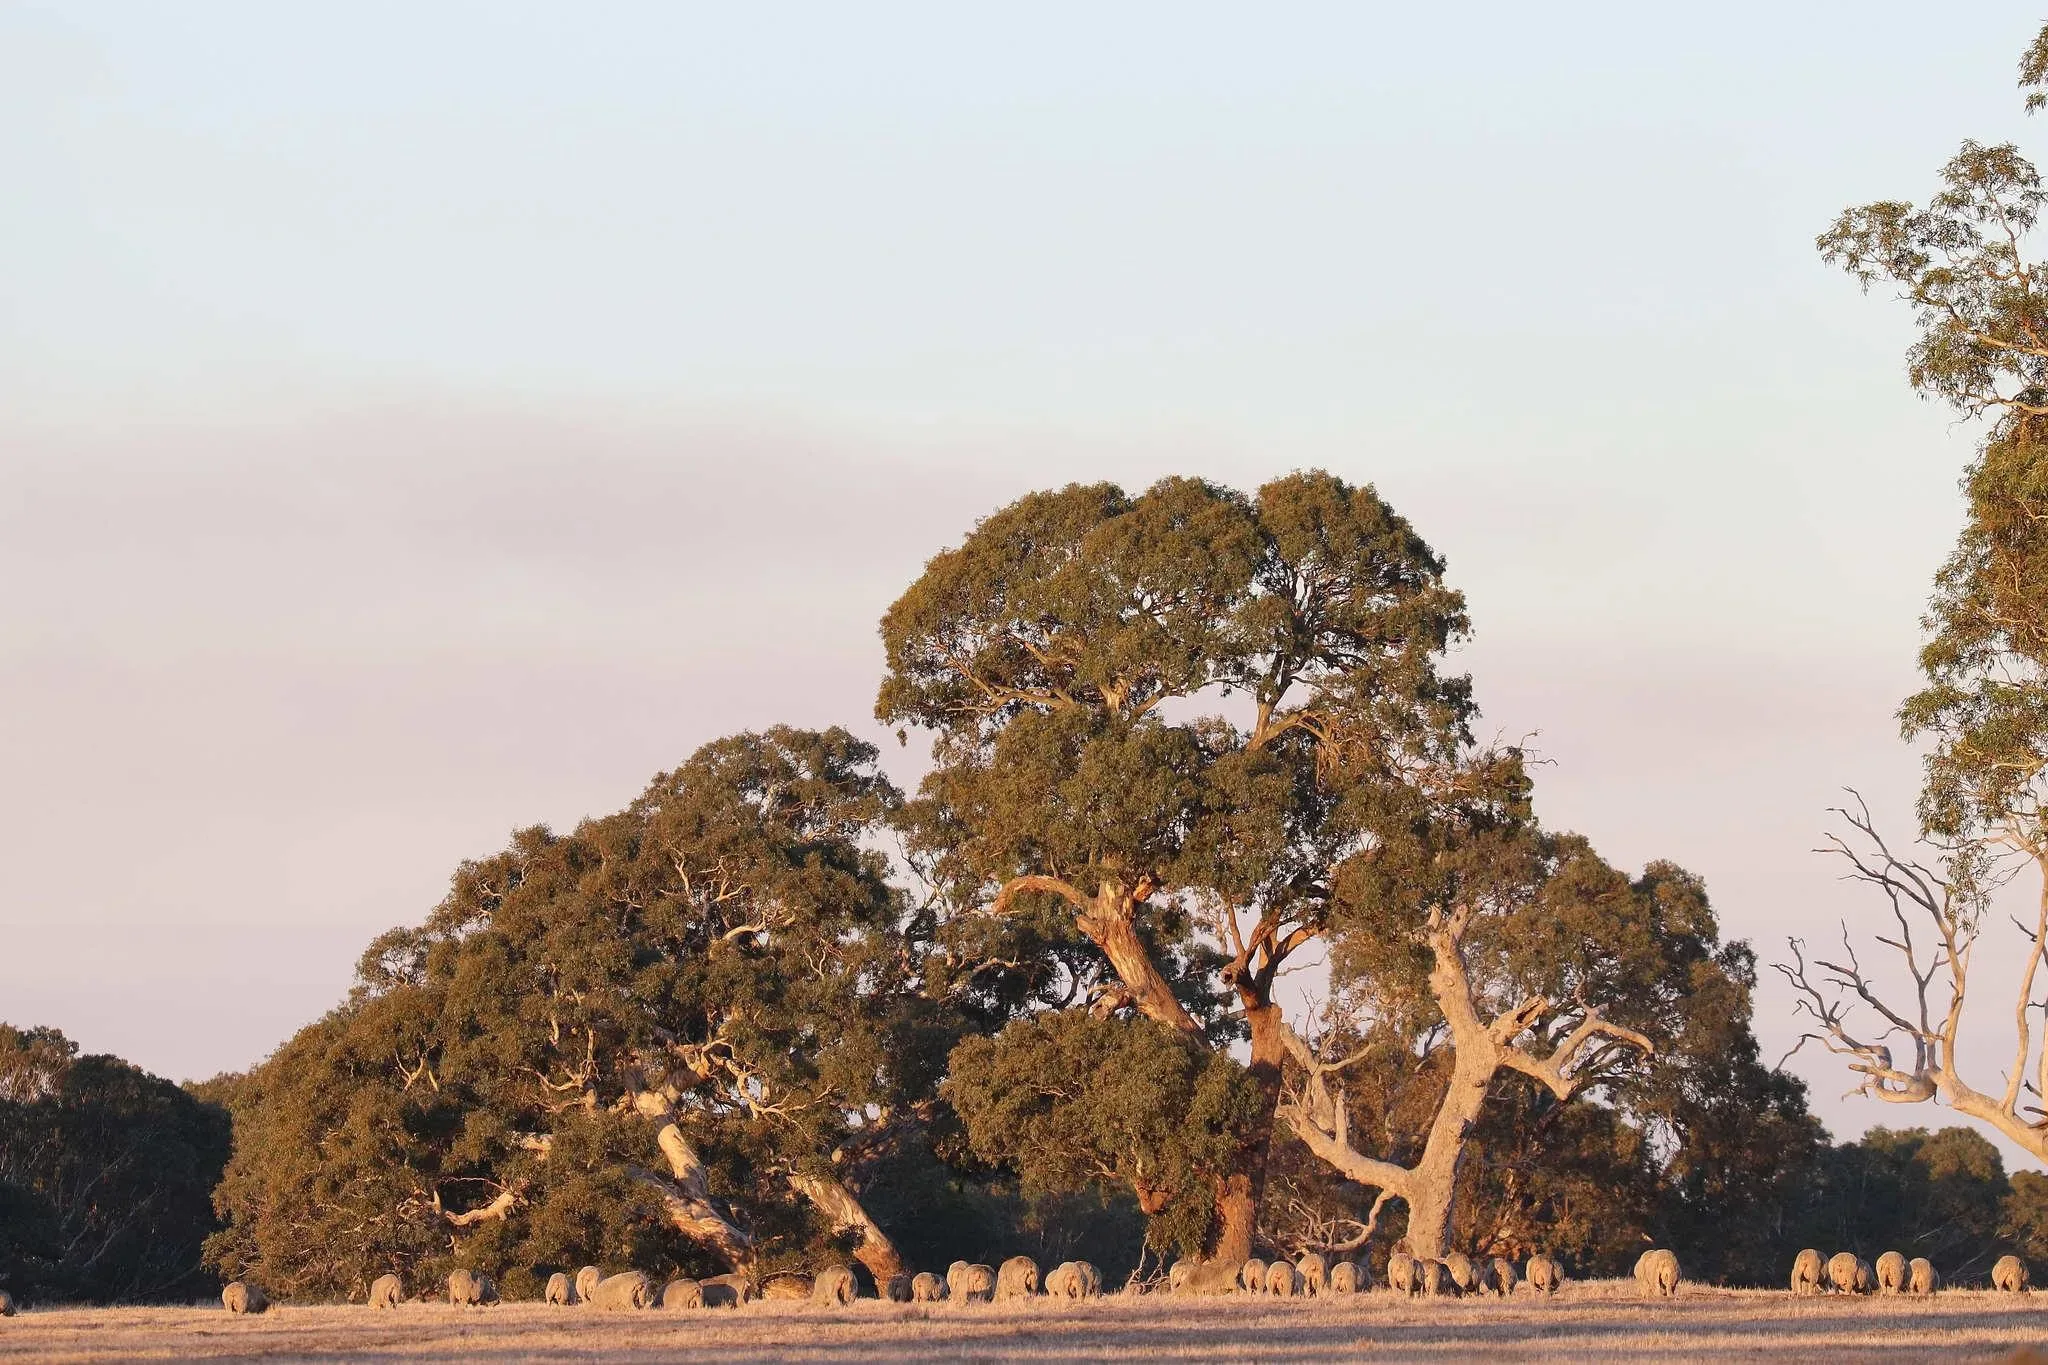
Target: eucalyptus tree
<point>1965,263</point>
<point>676,1036</point>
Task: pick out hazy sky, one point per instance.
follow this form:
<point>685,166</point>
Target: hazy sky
<point>418,421</point>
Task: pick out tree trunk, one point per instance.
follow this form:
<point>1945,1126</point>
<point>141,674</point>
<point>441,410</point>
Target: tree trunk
<point>1109,926</point>
<point>1240,1191</point>
<point>1432,1191</point>
<point>837,1203</point>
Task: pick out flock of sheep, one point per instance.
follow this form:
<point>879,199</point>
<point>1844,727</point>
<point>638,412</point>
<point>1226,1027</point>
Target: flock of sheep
<point>1657,1273</point>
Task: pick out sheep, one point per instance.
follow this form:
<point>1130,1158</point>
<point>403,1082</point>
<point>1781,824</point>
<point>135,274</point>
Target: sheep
<point>1074,1280</point>
<point>1842,1271</point>
<point>1314,1270</point>
<point>1808,1272</point>
<point>628,1289</point>
<point>239,1297</point>
<point>1177,1276</point>
<point>976,1283</point>
<point>387,1291</point>
<point>7,1305</point>
<point>896,1289</point>
<point>1459,1266</point>
<point>561,1290</point>
<point>1017,1278</point>
<point>1544,1274</point>
<point>1436,1278</point>
<point>1503,1276</point>
<point>682,1294</point>
<point>1658,1274</point>
<point>1404,1273</point>
<point>471,1289</point>
<point>1283,1281</point>
<point>719,1293</point>
<point>926,1287</point>
<point>586,1280</point>
<point>1344,1278</point>
<point>1251,1276</point>
<point>2010,1275</point>
<point>1482,1276</point>
<point>743,1289</point>
<point>1921,1277</point>
<point>787,1288</point>
<point>1891,1273</point>
<point>1866,1278</point>
<point>834,1287</point>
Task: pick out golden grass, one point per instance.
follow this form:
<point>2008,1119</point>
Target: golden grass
<point>1599,1321</point>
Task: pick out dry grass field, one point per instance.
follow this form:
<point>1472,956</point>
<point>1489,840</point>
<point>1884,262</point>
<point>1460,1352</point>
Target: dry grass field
<point>1589,1322</point>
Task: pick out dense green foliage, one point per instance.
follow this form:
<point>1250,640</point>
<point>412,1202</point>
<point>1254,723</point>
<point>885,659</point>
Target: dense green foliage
<point>106,1175</point>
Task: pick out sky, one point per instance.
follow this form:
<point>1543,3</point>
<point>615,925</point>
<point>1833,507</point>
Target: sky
<point>422,421</point>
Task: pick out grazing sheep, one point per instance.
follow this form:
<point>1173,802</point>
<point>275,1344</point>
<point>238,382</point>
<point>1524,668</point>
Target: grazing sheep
<point>1017,1278</point>
<point>1544,1274</point>
<point>1808,1272</point>
<point>719,1294</point>
<point>1921,1277</point>
<point>977,1284</point>
<point>586,1280</point>
<point>561,1290</point>
<point>387,1291</point>
<point>1459,1266</point>
<point>1503,1276</point>
<point>682,1294</point>
<point>1314,1270</point>
<point>7,1307</point>
<point>1842,1272</point>
<point>834,1287</point>
<point>1251,1276</point>
<point>239,1297</point>
<point>1657,1273</point>
<point>2010,1275</point>
<point>1177,1276</point>
<point>628,1289</point>
<point>1891,1273</point>
<point>896,1289</point>
<point>926,1287</point>
<point>1344,1278</point>
<point>743,1289</point>
<point>1436,1278</point>
<point>1074,1280</point>
<point>1283,1281</point>
<point>787,1289</point>
<point>1404,1273</point>
<point>1866,1278</point>
<point>465,1289</point>
<point>956,1279</point>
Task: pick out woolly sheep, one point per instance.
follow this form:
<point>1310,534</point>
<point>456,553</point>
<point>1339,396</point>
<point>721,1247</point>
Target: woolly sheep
<point>1891,1273</point>
<point>1404,1273</point>
<point>787,1289</point>
<point>977,1284</point>
<point>586,1280</point>
<point>1657,1273</point>
<point>1866,1278</point>
<point>682,1294</point>
<point>1544,1274</point>
<point>1017,1278</point>
<point>743,1289</point>
<point>465,1288</point>
<point>2010,1275</point>
<point>1283,1281</point>
<point>238,1297</point>
<point>1808,1272</point>
<point>387,1291</point>
<point>1503,1276</point>
<point>1921,1277</point>
<point>1436,1277</point>
<point>561,1290</point>
<point>1846,1272</point>
<point>719,1293</point>
<point>834,1287</point>
<point>1074,1280</point>
<point>628,1289</point>
<point>1314,1270</point>
<point>896,1289</point>
<point>1177,1275</point>
<point>1459,1266</point>
<point>1251,1275</point>
<point>926,1287</point>
<point>1344,1278</point>
<point>7,1305</point>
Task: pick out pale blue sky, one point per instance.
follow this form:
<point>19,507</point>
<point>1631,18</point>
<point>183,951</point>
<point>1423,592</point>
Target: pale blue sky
<point>418,420</point>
